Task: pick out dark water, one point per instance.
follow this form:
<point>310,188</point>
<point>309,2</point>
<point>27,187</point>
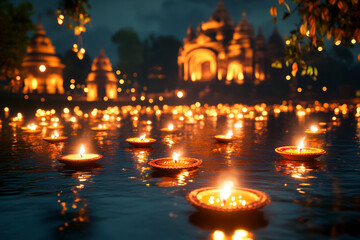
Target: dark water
<point>122,198</point>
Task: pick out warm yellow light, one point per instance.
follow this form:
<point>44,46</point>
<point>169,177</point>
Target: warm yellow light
<point>308,33</point>
<point>69,98</point>
<point>320,48</point>
<point>86,90</point>
<point>118,72</point>
<point>324,88</point>
<point>66,110</point>
<point>72,86</point>
<point>133,98</point>
<point>82,151</point>
<point>119,89</point>
<point>287,42</point>
<point>288,77</point>
<point>353,41</point>
<point>301,145</point>
<point>142,98</point>
<point>142,137</point>
<point>121,81</point>
<point>42,68</point>
<point>175,157</point>
<point>105,98</point>
<point>161,98</point>
<point>337,42</point>
<point>314,129</point>
<point>151,100</point>
<point>226,191</point>
<point>72,81</point>
<point>18,78</point>
<point>180,94</point>
<point>299,90</point>
<point>171,127</point>
<point>218,235</point>
<point>26,97</point>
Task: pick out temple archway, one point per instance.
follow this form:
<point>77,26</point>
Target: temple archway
<point>201,65</point>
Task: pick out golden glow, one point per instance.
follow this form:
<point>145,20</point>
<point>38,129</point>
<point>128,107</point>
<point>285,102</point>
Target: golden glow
<point>324,88</point>
<point>288,77</point>
<point>6,109</point>
<point>226,191</point>
<point>82,151</point>
<point>86,90</point>
<point>218,235</point>
<point>161,98</point>
<point>34,84</point>
<point>353,41</point>
<point>72,81</point>
<point>142,137</point>
<point>300,145</point>
<point>229,134</point>
<point>171,127</point>
<point>118,72</point>
<point>337,42</point>
<point>121,81</point>
<point>42,68</point>
<point>175,157</point>
<point>105,98</point>
<point>142,98</point>
<point>69,98</point>
<point>132,90</point>
<point>299,90</point>
<point>314,129</point>
<point>72,86</point>
<point>287,42</point>
<point>320,48</point>
<point>180,94</point>
<point>119,89</point>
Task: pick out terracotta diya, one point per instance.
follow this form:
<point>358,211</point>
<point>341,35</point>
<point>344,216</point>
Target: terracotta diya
<point>141,141</point>
<point>169,129</point>
<point>175,163</point>
<point>315,131</point>
<point>229,137</point>
<point>31,128</point>
<point>299,152</point>
<point>55,138</point>
<point>228,199</point>
<point>81,158</point>
<point>55,126</point>
<point>99,128</point>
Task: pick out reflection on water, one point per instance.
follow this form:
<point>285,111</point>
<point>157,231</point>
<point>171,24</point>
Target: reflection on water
<point>123,197</point>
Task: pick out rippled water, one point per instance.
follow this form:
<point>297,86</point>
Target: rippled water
<point>122,198</point>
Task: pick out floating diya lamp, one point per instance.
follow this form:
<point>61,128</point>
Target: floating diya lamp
<point>54,138</point>
<point>229,137</point>
<point>299,152</point>
<point>169,129</point>
<point>31,128</point>
<point>228,199</point>
<point>175,163</point>
<point>55,125</point>
<point>315,131</point>
<point>99,128</point>
<point>81,158</point>
<point>141,141</point>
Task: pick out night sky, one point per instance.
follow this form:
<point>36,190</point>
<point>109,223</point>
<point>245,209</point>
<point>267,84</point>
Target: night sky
<point>161,17</point>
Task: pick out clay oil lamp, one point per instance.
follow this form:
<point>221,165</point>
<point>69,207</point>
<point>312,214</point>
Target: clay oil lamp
<point>141,141</point>
<point>314,131</point>
<point>55,138</point>
<point>299,152</point>
<point>80,159</point>
<point>169,129</point>
<point>175,163</point>
<point>55,125</point>
<point>31,128</point>
<point>229,137</point>
<point>228,199</point>
<point>99,128</point>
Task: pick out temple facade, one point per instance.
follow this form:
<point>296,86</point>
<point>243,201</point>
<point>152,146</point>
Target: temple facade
<point>219,50</point>
<point>44,70</point>
<point>101,81</point>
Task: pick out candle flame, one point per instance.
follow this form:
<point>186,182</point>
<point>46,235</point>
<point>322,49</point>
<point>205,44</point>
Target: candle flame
<point>176,156</point>
<point>82,150</point>
<point>301,145</point>
<point>171,127</point>
<point>314,129</point>
<point>226,191</point>
<point>142,137</point>
<point>229,134</point>
<point>55,124</point>
<point>55,135</point>
<point>32,127</point>
<point>100,126</point>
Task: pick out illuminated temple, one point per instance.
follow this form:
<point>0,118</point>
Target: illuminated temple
<point>44,70</point>
<point>221,50</point>
<point>101,81</point>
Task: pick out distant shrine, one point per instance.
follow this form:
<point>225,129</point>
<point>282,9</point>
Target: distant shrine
<point>219,50</point>
<point>44,70</point>
<point>101,81</point>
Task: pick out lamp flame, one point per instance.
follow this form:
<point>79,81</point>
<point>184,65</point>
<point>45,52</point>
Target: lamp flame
<point>55,135</point>
<point>171,127</point>
<point>314,129</point>
<point>229,134</point>
<point>142,137</point>
<point>100,126</point>
<point>301,145</point>
<point>176,156</point>
<point>55,124</point>
<point>226,191</point>
<point>32,127</point>
<point>82,150</point>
